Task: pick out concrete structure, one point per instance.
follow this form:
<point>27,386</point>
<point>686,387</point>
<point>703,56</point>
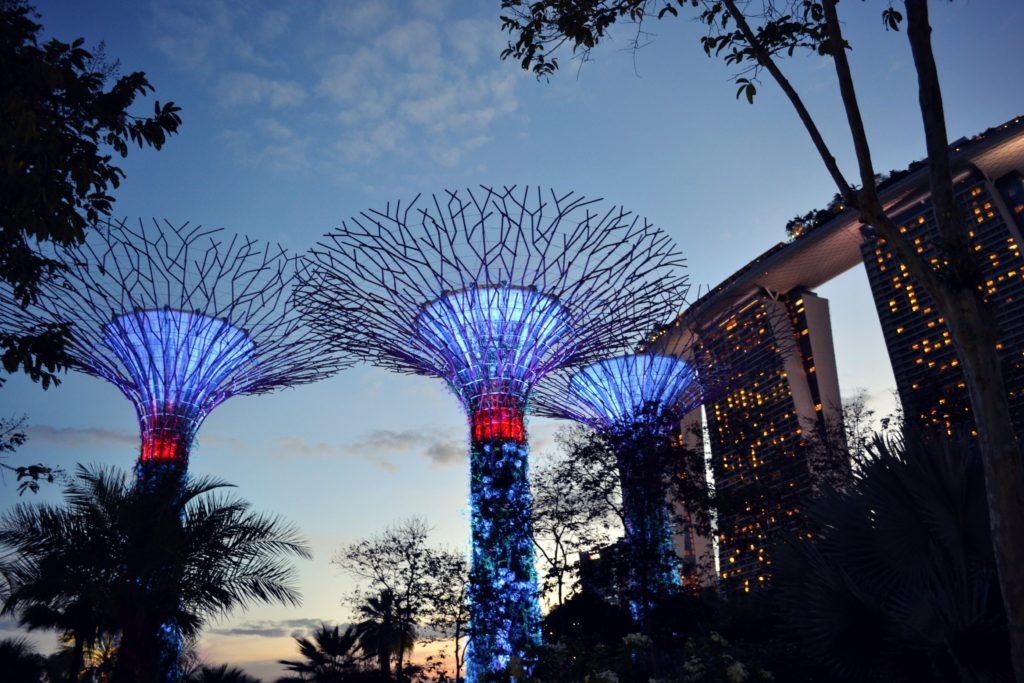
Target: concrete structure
<point>771,336</point>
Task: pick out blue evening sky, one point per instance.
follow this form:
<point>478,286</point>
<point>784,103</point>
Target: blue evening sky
<point>299,114</point>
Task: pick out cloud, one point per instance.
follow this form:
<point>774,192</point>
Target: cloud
<point>417,89</point>
<point>360,80</point>
<point>237,88</point>
<point>291,447</point>
<point>440,448</point>
<point>81,437</point>
<point>96,437</point>
<point>212,36</point>
<point>356,19</point>
<point>291,628</point>
<point>379,446</point>
<point>270,143</point>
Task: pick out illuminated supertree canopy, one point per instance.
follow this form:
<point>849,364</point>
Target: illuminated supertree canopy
<point>636,403</point>
<point>179,318</point>
<point>491,290</point>
<point>613,392</point>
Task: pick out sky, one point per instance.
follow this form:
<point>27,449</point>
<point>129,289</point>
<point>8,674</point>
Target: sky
<point>300,114</point>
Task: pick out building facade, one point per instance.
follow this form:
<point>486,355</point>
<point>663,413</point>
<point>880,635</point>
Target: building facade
<point>770,339</point>
<point>781,395</point>
<point>928,375</point>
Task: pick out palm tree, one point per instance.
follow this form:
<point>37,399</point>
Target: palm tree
<point>330,657</point>
<point>19,661</point>
<point>899,580</point>
<point>382,633</point>
<point>150,565</point>
<point>220,674</point>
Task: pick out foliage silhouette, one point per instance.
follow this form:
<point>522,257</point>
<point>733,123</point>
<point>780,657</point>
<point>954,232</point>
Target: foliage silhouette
<point>572,513</point>
<point>411,584</point>
<point>331,656</point>
<point>65,112</point>
<point>755,37</point>
<point>220,674</point>
<point>141,563</point>
<point>382,632</point>
<point>19,661</point>
<point>901,567</point>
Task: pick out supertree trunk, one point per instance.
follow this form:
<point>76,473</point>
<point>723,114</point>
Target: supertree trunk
<point>166,444</point>
<point>504,610</point>
<point>491,290</point>
<point>153,651</point>
<point>651,568</point>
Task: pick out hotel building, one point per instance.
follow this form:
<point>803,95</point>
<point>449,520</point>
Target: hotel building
<point>770,338</point>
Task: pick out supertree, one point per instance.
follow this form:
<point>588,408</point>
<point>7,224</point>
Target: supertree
<point>179,318</point>
<point>491,290</point>
<point>635,403</point>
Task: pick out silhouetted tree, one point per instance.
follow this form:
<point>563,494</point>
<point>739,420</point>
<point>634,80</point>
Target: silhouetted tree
<point>118,559</point>
<point>64,113</point>
<point>220,674</point>
<point>382,632</point>
<point>12,437</point>
<point>448,614</point>
<point>19,661</point>
<point>901,567</point>
<point>570,514</point>
<point>332,656</point>
<point>591,468</point>
<point>398,560</point>
<point>756,37</point>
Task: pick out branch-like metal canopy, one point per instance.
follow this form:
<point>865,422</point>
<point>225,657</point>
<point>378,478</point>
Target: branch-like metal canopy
<point>179,318</point>
<point>493,285</point>
<point>614,392</point>
<point>492,289</point>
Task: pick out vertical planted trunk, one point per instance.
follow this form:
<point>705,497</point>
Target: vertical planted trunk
<point>151,652</point>
<point>652,559</point>
<point>975,336</point>
<point>504,611</point>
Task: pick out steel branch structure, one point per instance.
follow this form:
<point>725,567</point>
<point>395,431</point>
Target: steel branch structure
<point>636,403</point>
<point>492,289</point>
<point>179,318</point>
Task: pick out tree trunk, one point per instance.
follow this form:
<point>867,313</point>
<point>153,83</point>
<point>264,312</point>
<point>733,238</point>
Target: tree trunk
<point>504,611</point>
<point>974,333</point>
<point>458,660</point>
<point>384,659</point>
<point>971,324</point>
<point>141,657</point>
<point>77,657</point>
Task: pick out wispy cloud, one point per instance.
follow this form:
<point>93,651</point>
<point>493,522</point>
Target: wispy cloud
<point>237,88</point>
<point>380,446</point>
<point>360,80</point>
<point>292,628</point>
<point>80,437</point>
<point>418,88</point>
<point>440,447</point>
<point>94,437</point>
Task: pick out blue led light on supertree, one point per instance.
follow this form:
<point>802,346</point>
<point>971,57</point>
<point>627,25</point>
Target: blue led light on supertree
<point>179,318</point>
<point>621,390</point>
<point>177,362</point>
<point>491,290</point>
<point>635,402</point>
